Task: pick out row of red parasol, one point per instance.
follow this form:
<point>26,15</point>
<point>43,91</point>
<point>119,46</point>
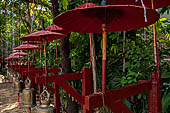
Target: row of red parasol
<point>90,18</point>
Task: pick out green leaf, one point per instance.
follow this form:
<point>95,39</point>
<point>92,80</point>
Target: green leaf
<point>64,4</point>
<point>166,75</point>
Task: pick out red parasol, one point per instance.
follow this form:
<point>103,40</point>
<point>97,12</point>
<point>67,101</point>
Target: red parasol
<point>18,54</point>
<point>86,5</point>
<point>55,28</point>
<point>42,36</point>
<point>148,3</point>
<point>102,19</point>
<point>117,18</point>
<point>33,42</point>
<point>26,47</point>
<point>36,42</point>
<point>12,57</point>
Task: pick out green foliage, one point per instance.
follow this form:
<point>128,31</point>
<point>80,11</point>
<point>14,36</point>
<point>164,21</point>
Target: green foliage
<point>165,101</point>
<point>65,4</point>
<point>15,23</point>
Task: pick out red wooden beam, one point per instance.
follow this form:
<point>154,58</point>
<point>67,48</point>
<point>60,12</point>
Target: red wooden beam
<point>119,107</point>
<point>70,91</point>
<point>54,70</point>
<point>60,82</point>
<point>116,94</point>
<point>54,78</point>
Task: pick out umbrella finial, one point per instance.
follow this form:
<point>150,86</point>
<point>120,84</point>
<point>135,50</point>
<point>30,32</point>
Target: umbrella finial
<point>103,2</point>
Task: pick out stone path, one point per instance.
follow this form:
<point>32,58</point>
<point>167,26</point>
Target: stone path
<point>9,98</point>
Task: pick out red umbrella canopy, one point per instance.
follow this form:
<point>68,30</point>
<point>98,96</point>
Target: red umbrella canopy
<point>27,47</point>
<point>33,42</point>
<point>43,36</point>
<point>12,57</point>
<point>86,5</point>
<point>55,28</point>
<point>18,54</point>
<point>148,3</point>
<point>117,18</point>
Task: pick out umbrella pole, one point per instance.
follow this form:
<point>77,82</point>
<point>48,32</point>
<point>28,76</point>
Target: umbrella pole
<point>41,56</point>
<point>56,54</point>
<point>45,60</point>
<point>104,58</point>
<point>28,60</point>
<point>154,97</point>
<point>40,86</point>
<point>33,56</point>
<point>93,61</point>
<point>156,50</point>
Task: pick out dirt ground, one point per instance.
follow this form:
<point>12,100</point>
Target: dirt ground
<point>9,100</point>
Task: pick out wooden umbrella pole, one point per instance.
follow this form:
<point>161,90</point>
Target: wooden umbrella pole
<point>28,60</point>
<point>90,40</point>
<point>156,49</point>
<point>41,55</point>
<point>104,27</point>
<point>33,57</point>
<point>45,63</point>
<point>45,58</point>
<point>93,61</point>
<point>56,54</point>
<point>154,97</point>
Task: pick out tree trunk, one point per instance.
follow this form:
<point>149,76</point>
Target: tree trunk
<point>66,64</point>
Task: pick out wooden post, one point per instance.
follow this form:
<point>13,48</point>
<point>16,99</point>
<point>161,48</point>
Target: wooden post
<point>56,98</point>
<point>104,27</point>
<point>154,98</point>
<point>87,86</point>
